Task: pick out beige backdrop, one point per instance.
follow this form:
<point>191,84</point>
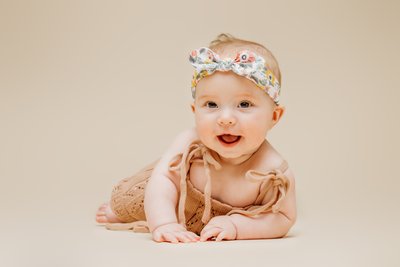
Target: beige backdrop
<point>90,91</point>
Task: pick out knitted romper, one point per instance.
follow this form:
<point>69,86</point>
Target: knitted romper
<point>195,208</point>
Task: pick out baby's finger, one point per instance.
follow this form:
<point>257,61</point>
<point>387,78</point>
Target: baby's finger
<point>210,233</point>
<point>181,236</point>
<point>188,237</point>
<point>170,238</point>
<point>221,236</point>
<point>192,236</point>
<point>195,236</point>
<point>206,229</point>
<point>158,237</point>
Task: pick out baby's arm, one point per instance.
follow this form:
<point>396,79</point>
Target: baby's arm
<point>161,196</point>
<point>270,225</point>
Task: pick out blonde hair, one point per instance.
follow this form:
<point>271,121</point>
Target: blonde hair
<point>226,41</point>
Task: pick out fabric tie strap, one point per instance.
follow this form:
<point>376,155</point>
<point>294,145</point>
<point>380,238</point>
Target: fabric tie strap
<point>196,152</point>
<point>137,227</point>
<point>273,180</point>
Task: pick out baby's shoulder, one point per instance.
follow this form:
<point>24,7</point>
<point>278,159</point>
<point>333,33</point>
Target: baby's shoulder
<point>172,154</point>
<point>267,158</point>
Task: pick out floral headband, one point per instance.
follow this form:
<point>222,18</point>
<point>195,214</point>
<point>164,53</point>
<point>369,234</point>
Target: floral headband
<point>247,64</point>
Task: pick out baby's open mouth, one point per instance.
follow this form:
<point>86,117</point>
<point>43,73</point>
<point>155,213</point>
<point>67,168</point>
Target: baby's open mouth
<point>229,139</point>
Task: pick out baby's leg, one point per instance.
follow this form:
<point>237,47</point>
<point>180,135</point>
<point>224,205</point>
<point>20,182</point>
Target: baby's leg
<point>126,204</point>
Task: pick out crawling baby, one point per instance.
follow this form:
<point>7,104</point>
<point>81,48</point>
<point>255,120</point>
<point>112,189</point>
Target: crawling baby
<point>222,179</point>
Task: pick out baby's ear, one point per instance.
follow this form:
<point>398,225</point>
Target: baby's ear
<point>278,113</point>
<point>193,107</point>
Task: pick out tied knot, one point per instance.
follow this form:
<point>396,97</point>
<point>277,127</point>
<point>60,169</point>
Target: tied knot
<point>246,63</point>
<point>224,65</point>
<point>273,187</point>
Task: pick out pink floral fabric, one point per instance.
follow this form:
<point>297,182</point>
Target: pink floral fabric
<point>246,63</point>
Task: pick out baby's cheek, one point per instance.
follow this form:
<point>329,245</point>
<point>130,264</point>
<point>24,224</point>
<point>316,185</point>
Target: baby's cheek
<point>204,123</point>
<point>204,128</point>
<point>258,131</point>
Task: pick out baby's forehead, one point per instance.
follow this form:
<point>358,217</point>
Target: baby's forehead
<point>237,85</point>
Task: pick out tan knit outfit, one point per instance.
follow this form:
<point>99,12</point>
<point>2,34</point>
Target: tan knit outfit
<point>195,209</point>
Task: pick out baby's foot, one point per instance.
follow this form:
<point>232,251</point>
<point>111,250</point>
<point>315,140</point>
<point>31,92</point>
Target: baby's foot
<point>106,215</point>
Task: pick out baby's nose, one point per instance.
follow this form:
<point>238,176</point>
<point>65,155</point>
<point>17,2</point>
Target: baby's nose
<point>226,118</point>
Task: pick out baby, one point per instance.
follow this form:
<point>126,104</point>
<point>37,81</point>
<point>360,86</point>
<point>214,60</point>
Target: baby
<point>221,180</point>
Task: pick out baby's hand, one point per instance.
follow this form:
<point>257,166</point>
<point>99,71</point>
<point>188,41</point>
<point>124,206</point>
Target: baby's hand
<point>174,233</point>
<point>220,227</point>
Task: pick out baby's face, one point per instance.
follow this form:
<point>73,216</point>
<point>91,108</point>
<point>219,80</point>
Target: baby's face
<point>232,114</point>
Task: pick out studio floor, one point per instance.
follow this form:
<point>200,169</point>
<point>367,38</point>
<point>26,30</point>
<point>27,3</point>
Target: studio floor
<point>80,241</point>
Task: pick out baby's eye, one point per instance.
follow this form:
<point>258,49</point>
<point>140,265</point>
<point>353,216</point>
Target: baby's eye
<point>211,104</point>
<point>244,104</point>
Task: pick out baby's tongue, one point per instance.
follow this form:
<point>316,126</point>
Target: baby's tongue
<point>229,138</point>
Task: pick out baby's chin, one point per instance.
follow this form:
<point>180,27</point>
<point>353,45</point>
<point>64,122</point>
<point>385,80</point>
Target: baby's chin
<point>228,154</point>
<point>234,158</point>
<point>235,154</point>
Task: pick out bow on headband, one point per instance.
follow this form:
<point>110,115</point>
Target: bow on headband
<point>246,63</point>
